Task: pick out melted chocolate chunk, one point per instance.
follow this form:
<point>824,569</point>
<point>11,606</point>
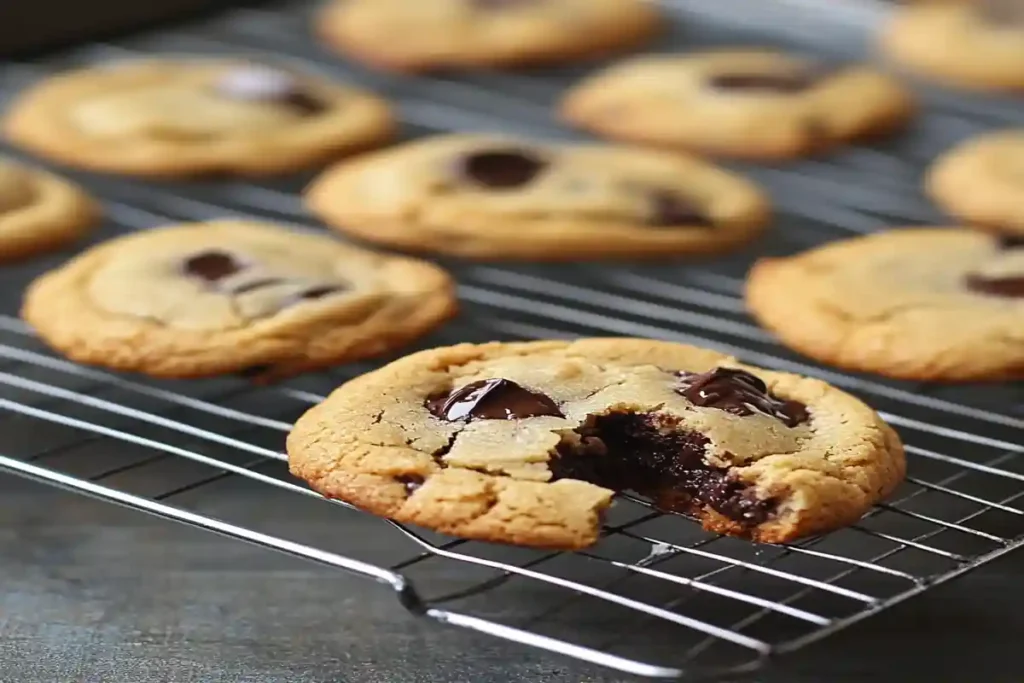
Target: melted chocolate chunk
<point>492,399</point>
<point>997,286</point>
<point>212,265</point>
<point>630,451</point>
<point>738,392</point>
<point>669,209</point>
<point>785,82</point>
<point>411,481</point>
<point>501,168</point>
<point>1007,242</point>
<point>264,84</point>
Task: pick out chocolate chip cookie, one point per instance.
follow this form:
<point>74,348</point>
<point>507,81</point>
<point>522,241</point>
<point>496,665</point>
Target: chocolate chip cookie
<point>975,45</point>
<point>490,196</point>
<point>527,443</point>
<point>439,34</point>
<point>756,104</point>
<point>39,211</point>
<point>185,117</point>
<point>226,296</point>
<point>981,182</point>
<point>919,304</point>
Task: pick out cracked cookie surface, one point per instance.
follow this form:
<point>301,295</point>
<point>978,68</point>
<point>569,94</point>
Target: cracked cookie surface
<point>988,36</point>
<point>444,34</point>
<point>195,116</point>
<point>757,104</point>
<point>920,304</point>
<point>500,197</point>
<point>40,211</point>
<point>228,296</point>
<point>981,181</point>
<point>526,443</point>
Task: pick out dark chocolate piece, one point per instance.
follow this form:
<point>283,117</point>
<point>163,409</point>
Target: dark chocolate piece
<point>997,286</point>
<point>265,84</point>
<point>652,456</point>
<point>212,265</point>
<point>1007,242</point>
<point>784,82</point>
<point>411,481</point>
<point>501,168</point>
<point>669,209</point>
<point>738,392</point>
<point>492,399</point>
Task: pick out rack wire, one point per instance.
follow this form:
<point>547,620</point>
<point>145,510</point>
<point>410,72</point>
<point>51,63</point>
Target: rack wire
<point>691,604</point>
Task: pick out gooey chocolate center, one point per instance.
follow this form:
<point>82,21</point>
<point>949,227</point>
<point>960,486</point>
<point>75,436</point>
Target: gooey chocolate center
<point>649,453</point>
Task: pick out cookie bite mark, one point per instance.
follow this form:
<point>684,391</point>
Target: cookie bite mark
<point>658,458</point>
<point>540,436</point>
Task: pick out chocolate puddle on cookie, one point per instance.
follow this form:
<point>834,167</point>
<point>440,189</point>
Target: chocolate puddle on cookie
<point>652,454</point>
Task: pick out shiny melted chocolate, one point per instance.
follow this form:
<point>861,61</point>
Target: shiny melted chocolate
<point>670,209</point>
<point>738,392</point>
<point>636,452</point>
<point>501,169</point>
<point>211,266</point>
<point>492,399</point>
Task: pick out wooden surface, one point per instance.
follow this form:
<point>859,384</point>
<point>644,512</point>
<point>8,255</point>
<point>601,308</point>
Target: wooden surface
<point>95,593</point>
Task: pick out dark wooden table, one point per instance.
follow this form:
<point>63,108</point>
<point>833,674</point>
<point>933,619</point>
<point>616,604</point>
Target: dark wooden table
<point>94,593</point>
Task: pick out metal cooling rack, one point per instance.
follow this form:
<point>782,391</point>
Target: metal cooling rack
<point>689,603</point>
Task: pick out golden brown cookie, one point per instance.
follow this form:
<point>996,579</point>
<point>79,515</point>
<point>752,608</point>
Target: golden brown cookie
<point>228,296</point>
<point>39,211</point>
<point>500,197</point>
<point>976,45</point>
<point>981,182</point>
<point>419,36</point>
<point>920,304</point>
<point>187,117</point>
<point>527,443</point>
<point>757,104</point>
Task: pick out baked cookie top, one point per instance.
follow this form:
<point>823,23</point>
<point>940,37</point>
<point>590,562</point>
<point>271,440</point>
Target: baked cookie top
<point>981,181</point>
<point>226,296</point>
<point>481,33</point>
<point>505,197</point>
<point>988,36</point>
<point>741,103</point>
<point>526,442</point>
<point>39,211</point>
<point>191,116</point>
<point>922,304</point>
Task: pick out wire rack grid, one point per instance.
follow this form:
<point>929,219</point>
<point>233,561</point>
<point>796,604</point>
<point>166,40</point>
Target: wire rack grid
<point>691,603</point>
